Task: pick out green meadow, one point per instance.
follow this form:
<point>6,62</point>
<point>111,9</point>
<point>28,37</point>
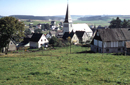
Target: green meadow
<point>60,67</point>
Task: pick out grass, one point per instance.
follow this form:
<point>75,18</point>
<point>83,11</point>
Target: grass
<point>97,23</point>
<point>59,67</point>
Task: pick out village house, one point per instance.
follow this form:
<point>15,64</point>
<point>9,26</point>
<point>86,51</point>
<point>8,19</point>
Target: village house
<point>12,46</point>
<point>82,36</point>
<point>73,37</point>
<point>59,34</point>
<point>50,34</point>
<point>38,40</point>
<point>25,42</point>
<point>110,40</point>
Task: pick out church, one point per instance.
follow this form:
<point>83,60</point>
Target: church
<point>69,26</point>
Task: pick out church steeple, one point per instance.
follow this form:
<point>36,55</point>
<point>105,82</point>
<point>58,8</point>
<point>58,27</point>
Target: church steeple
<point>68,21</point>
<point>67,17</point>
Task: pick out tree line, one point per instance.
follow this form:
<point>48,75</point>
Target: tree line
<point>118,23</point>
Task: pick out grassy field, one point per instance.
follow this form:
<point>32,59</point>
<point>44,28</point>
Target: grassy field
<point>98,22</point>
<point>59,67</point>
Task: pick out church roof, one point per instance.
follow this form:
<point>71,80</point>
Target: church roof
<point>81,27</point>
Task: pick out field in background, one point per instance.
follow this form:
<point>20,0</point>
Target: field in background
<point>59,67</point>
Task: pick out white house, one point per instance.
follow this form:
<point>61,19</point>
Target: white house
<point>38,40</point>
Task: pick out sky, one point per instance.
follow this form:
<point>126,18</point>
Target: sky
<point>58,7</point>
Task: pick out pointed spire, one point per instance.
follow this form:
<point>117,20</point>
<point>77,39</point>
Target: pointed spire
<point>68,17</point>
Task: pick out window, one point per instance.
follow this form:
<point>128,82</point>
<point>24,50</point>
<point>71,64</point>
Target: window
<point>41,40</point>
<point>119,43</point>
<point>44,39</point>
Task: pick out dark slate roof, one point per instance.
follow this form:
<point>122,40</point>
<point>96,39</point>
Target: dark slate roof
<point>68,34</point>
<point>52,32</point>
<point>79,34</point>
<point>116,34</point>
<point>66,17</point>
<point>35,37</point>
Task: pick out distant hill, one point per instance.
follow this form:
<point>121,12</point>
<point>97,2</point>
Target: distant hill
<point>103,18</point>
<point>37,17</point>
<point>1,16</point>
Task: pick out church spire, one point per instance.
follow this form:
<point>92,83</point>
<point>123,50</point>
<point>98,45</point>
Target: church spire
<point>67,17</point>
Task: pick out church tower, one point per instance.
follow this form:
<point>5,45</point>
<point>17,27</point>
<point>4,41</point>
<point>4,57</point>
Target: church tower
<point>68,21</point>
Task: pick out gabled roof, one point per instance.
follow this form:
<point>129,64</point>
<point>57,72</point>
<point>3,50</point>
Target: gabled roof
<point>68,34</point>
<point>35,37</point>
<point>80,34</point>
<point>116,34</point>
<point>81,27</point>
<point>52,32</point>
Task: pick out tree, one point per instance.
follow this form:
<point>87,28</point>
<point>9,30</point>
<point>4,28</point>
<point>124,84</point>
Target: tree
<point>116,23</point>
<point>10,28</point>
<point>125,24</point>
<point>47,26</point>
<point>27,32</point>
<point>55,42</point>
<point>69,40</point>
<point>43,27</point>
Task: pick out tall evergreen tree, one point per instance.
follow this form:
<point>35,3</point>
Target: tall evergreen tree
<point>116,23</point>
<point>125,24</point>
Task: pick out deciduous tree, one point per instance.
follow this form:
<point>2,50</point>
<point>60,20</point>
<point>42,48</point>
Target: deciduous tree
<point>10,28</point>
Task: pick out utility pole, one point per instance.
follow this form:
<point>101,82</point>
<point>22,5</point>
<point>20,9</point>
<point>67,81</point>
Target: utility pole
<point>103,42</point>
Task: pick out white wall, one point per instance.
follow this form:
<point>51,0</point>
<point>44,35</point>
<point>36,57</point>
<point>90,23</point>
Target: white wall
<point>42,41</point>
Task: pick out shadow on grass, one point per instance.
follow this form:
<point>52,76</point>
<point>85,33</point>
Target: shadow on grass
<point>118,54</point>
<point>85,52</point>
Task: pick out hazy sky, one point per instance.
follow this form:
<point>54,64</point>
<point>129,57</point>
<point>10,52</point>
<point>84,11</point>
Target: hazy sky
<point>58,7</point>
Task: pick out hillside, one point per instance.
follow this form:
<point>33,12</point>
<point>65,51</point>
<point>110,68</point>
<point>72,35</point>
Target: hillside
<point>101,20</point>
<point>59,67</point>
<point>104,18</point>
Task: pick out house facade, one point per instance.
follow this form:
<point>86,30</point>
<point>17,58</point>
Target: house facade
<point>38,40</point>
<point>73,37</point>
<point>50,34</point>
<point>82,36</point>
<point>12,46</point>
<point>110,40</point>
